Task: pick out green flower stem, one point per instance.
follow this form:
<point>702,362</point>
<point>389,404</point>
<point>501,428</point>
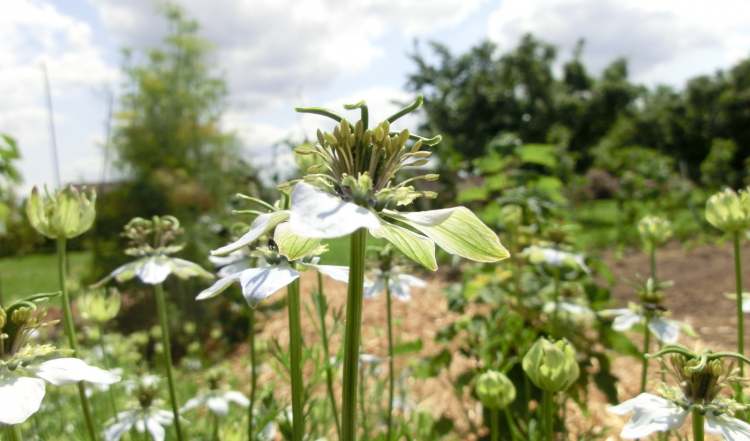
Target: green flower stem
<point>646,345</point>
<point>511,425</point>
<point>391,369</point>
<point>215,430</point>
<point>295,357</point>
<point>362,404</point>
<point>494,425</point>
<point>108,365</point>
<point>321,304</point>
<point>697,425</point>
<point>70,332</point>
<point>14,433</point>
<point>161,307</point>
<point>652,261</point>
<point>253,376</point>
<point>556,299</point>
<point>352,335</point>
<point>740,315</point>
<point>548,414</point>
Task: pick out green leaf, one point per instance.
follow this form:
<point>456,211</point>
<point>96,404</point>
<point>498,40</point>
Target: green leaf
<point>472,194</point>
<point>292,246</point>
<point>407,347</point>
<point>458,231</point>
<point>414,246</point>
<point>539,154</point>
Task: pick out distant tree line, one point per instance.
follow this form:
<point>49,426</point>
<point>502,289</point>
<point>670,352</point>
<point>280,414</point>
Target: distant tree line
<point>474,97</point>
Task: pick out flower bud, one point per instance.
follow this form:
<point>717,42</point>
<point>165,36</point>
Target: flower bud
<point>495,390</point>
<point>654,230</point>
<point>21,316</point>
<point>65,214</point>
<point>98,307</point>
<point>552,367</point>
<point>729,211</point>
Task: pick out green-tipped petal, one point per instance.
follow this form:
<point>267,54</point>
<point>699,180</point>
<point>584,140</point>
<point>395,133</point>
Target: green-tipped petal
<point>414,246</point>
<point>293,246</point>
<point>458,231</point>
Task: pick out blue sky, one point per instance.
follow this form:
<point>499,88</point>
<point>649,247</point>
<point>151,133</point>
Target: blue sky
<point>282,53</point>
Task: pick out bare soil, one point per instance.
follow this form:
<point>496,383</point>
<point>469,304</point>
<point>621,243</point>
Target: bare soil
<point>701,275</point>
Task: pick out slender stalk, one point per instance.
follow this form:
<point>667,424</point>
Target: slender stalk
<point>321,305</point>
<point>697,425</point>
<point>352,335</point>
<point>107,365</point>
<point>556,299</point>
<point>548,415</point>
<point>70,332</point>
<point>511,424</point>
<point>362,405</point>
<point>295,356</point>
<point>646,345</point>
<point>161,308</point>
<point>494,425</point>
<point>215,431</point>
<point>253,377</point>
<point>14,433</point>
<point>391,368</point>
<point>740,315</point>
<point>652,260</point>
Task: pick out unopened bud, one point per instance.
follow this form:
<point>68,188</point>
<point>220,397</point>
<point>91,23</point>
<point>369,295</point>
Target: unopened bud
<point>729,211</point>
<point>63,215</point>
<point>495,390</point>
<point>551,366</point>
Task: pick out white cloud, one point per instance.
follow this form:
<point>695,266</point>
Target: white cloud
<point>665,41</point>
<point>275,50</point>
<point>33,33</point>
<point>262,142</point>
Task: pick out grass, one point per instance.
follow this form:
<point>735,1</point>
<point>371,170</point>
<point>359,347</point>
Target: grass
<point>24,275</point>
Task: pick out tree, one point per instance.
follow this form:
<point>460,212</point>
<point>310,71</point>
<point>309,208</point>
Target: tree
<point>168,137</point>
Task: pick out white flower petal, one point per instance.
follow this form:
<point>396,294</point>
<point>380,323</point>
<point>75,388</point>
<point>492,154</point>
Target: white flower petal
<point>260,226</point>
<point>62,371</point>
<point>626,320</point>
<point>259,283</point>
<point>155,429</point>
<point>116,430</point>
<point>651,414</point>
<point>185,269</point>
<point>372,289</point>
<point>218,405</point>
<point>320,215</point>
<point>193,403</point>
<point>218,287</point>
<point>154,270</point>
<point>667,331</point>
<point>20,397</point>
<point>729,428</point>
<point>237,398</point>
<point>336,272</point>
<point>401,285</point>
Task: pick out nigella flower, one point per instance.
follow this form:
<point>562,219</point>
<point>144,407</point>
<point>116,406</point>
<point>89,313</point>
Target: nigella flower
<point>26,367</point>
<point>354,187</point>
<point>143,418</point>
<point>150,241</point>
<point>556,257</point>
<point>575,310</point>
<point>652,413</point>
<point>278,266</point>
<point>399,284</point>
<point>665,330</point>
<point>217,401</point>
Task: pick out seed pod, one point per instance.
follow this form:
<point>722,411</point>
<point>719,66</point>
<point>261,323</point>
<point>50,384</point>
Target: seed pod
<point>551,366</point>
<point>65,214</point>
<point>729,211</point>
<point>495,390</point>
